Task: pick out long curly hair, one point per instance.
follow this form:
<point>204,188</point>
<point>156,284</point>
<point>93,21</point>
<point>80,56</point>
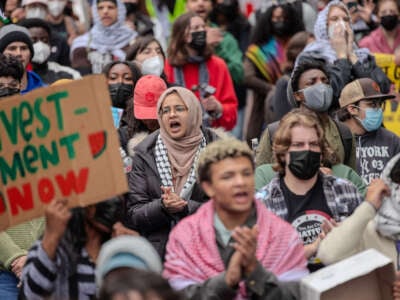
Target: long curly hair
<point>263,29</point>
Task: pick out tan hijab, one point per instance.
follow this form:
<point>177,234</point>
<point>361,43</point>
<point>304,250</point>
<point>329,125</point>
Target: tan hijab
<point>182,151</point>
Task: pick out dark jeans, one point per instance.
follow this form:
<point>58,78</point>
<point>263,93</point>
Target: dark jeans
<point>8,285</point>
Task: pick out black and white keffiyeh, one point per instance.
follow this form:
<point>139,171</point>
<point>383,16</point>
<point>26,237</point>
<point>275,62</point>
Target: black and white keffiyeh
<point>164,168</point>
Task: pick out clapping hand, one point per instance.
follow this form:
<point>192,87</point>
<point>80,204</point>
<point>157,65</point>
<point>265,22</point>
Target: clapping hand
<point>171,201</point>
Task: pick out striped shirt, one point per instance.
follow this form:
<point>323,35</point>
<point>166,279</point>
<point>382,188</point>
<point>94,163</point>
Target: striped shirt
<point>43,278</point>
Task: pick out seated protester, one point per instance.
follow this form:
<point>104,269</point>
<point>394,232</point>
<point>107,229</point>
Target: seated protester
<point>11,73</point>
<point>59,22</point>
<point>49,71</point>
<point>221,41</point>
<point>126,252</point>
<point>265,58</point>
<point>386,38</point>
<point>374,224</point>
<point>16,240</point>
<point>39,9</point>
<point>280,104</point>
<point>191,64</point>
<point>62,264</point>
<point>301,194</point>
<point>362,105</point>
<point>121,79</point>
<point>335,43</point>
<point>143,119</point>
<point>106,41</point>
<point>15,40</point>
<point>149,55</point>
<point>233,247</point>
<point>310,89</point>
<point>162,183</point>
<point>265,173</point>
<point>35,8</point>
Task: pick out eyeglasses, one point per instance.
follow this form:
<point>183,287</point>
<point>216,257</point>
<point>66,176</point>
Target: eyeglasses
<point>177,109</point>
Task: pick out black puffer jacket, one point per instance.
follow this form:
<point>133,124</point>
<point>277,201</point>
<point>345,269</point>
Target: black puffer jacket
<point>144,210</point>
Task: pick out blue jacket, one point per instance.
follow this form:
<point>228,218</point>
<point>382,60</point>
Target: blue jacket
<point>34,82</point>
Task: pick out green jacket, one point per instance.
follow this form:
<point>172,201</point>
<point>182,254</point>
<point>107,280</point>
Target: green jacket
<point>17,240</point>
<point>230,52</point>
<point>265,173</point>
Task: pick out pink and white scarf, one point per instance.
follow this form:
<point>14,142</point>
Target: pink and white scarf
<point>193,257</point>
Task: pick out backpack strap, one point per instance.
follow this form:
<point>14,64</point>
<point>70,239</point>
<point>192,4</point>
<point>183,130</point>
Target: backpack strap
<point>347,140</point>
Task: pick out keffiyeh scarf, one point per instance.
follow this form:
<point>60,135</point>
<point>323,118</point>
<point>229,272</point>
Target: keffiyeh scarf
<point>164,168</point>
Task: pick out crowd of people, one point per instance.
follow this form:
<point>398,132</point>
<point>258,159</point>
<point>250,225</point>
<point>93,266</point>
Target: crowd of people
<point>257,150</point>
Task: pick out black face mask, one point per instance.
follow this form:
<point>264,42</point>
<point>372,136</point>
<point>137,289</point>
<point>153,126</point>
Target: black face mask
<point>304,164</point>
<point>389,22</point>
<point>8,92</point>
<point>120,93</point>
<point>131,8</point>
<point>199,39</point>
<point>280,28</point>
<point>106,212</point>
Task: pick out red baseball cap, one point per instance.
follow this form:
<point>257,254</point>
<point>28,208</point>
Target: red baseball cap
<point>147,91</point>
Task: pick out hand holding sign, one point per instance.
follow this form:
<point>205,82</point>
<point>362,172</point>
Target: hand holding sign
<point>57,142</point>
<point>17,265</point>
<point>57,217</point>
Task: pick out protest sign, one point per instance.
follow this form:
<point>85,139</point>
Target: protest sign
<point>58,141</point>
<point>391,115</point>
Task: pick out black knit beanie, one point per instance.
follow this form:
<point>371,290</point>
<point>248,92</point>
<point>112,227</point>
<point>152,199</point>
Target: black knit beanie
<point>14,33</point>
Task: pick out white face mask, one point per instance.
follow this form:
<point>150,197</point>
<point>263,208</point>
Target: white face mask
<point>56,7</point>
<point>42,52</point>
<point>36,12</point>
<point>152,66</point>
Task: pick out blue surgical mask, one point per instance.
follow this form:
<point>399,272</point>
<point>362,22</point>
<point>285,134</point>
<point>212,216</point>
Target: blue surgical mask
<point>318,97</point>
<point>373,119</point>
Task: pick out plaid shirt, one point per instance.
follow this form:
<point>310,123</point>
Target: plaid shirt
<point>342,197</point>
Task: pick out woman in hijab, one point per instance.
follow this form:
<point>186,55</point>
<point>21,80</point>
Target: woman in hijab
<point>163,187</point>
<point>334,43</point>
<point>106,41</point>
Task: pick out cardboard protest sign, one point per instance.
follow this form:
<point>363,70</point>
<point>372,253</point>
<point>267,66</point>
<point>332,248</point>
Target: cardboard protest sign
<point>58,141</point>
<point>391,115</point>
